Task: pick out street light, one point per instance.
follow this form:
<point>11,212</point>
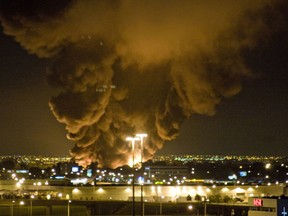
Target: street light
<point>205,206</point>
<point>31,198</point>
<point>142,136</point>
<point>190,207</point>
<point>162,197</point>
<point>133,139</point>
<point>68,208</point>
<point>21,203</point>
<point>12,208</point>
<point>37,186</point>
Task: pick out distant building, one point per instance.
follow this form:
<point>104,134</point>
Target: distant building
<point>270,206</point>
<point>262,206</point>
<point>162,172</point>
<point>67,168</point>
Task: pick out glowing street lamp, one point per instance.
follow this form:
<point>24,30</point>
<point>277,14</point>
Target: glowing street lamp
<point>142,136</point>
<point>31,199</point>
<point>133,139</point>
<point>12,208</point>
<point>68,208</point>
<point>161,200</point>
<point>190,208</point>
<point>21,203</point>
<point>37,186</point>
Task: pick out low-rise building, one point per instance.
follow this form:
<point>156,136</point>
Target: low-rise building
<point>268,206</point>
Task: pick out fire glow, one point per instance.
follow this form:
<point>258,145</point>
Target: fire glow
<point>119,71</point>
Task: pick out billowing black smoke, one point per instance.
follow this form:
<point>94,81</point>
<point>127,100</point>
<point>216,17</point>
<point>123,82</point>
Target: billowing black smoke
<point>135,66</point>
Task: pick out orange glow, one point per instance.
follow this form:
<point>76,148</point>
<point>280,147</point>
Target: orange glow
<point>137,160</point>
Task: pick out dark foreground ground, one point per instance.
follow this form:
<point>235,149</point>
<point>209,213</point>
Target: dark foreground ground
<point>88,208</point>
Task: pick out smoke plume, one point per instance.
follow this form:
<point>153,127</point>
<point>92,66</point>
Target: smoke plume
<point>135,66</point>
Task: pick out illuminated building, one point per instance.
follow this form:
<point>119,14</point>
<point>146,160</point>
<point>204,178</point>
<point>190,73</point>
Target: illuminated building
<point>159,172</point>
<point>271,206</point>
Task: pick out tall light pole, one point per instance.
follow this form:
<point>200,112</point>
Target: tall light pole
<point>162,197</point>
<point>68,207</point>
<point>31,207</point>
<point>204,200</point>
<point>21,203</point>
<point>12,208</point>
<point>142,136</point>
<point>133,139</point>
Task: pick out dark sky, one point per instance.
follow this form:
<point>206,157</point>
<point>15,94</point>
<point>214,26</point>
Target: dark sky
<point>254,122</point>
<point>27,124</point>
<point>251,122</point>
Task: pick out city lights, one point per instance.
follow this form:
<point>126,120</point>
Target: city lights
<point>167,183</point>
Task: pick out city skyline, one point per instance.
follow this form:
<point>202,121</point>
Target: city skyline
<point>251,122</point>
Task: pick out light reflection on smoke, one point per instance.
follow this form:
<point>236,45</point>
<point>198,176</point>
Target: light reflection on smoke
<point>129,66</point>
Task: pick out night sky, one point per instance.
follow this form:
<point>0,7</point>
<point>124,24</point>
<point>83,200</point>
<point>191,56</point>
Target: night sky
<point>27,124</point>
<point>227,96</point>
